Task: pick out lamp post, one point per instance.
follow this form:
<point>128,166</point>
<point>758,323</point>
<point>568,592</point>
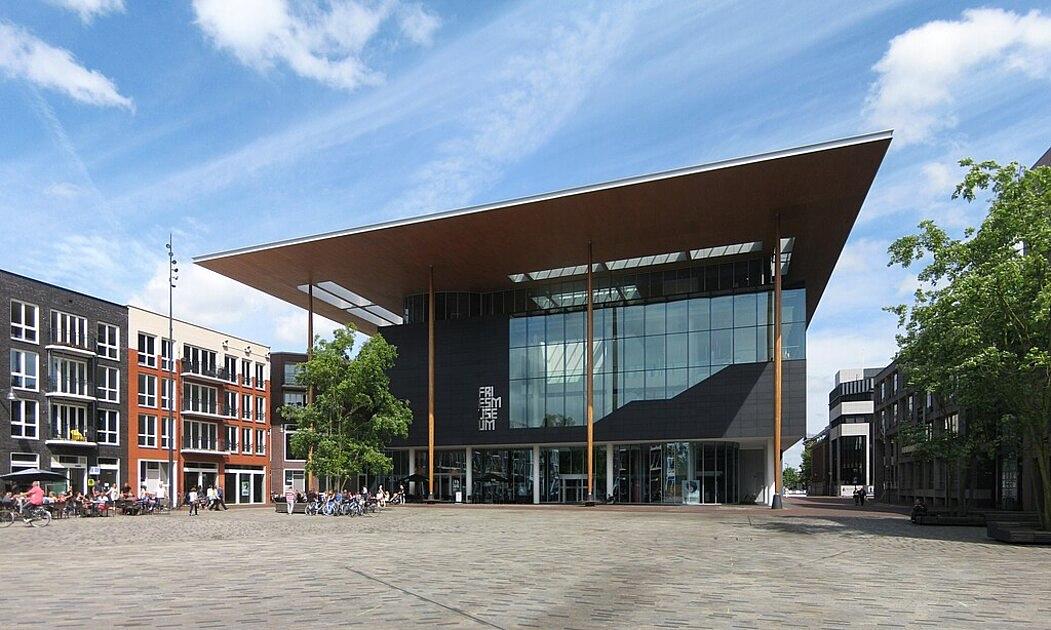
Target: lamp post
<point>173,275</point>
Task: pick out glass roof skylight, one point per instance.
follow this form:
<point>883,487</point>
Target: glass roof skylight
<point>346,300</point>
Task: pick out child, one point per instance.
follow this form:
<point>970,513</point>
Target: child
<point>193,501</point>
<point>290,499</point>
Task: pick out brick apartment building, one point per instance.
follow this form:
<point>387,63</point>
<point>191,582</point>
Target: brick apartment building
<point>216,388</point>
<point>65,399</point>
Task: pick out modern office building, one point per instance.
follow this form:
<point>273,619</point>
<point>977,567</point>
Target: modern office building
<point>215,388</point>
<point>842,454</point>
<point>617,340</point>
<point>285,468</point>
<point>64,400</point>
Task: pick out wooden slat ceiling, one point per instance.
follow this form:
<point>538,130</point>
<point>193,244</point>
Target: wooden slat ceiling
<point>817,191</point>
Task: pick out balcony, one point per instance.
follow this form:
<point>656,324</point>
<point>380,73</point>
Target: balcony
<point>202,447</point>
<point>72,344</point>
<point>69,436</point>
<point>207,409</point>
<point>208,373</point>
<point>73,389</point>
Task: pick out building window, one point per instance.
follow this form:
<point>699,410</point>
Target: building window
<point>289,456</point>
<point>246,372</point>
<point>260,383</point>
<point>298,399</point>
<point>147,350</point>
<point>108,384</point>
<point>246,440</point>
<point>246,406</point>
<point>166,430</point>
<point>24,369</point>
<point>69,376</point>
<point>231,439</point>
<point>166,355</point>
<point>198,360</point>
<point>107,344</point>
<point>147,431</point>
<point>260,409</point>
<point>147,390</point>
<point>297,479</point>
<point>201,436</point>
<point>292,371</point>
<point>200,398</point>
<point>65,419</point>
<point>24,461</point>
<point>69,330</point>
<point>107,427</point>
<point>167,394</point>
<point>230,368</point>
<point>25,419</point>
<point>25,322</point>
<point>260,442</point>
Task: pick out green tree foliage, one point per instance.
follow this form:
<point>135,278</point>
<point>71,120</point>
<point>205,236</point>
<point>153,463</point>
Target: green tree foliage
<point>353,415</point>
<point>791,479</point>
<point>979,331</point>
<point>806,465</point>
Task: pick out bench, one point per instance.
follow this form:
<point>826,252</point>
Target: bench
<point>299,508</point>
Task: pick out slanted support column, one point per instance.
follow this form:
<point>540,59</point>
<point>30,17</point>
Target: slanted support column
<point>776,502</point>
<point>589,354</point>
<point>609,470</point>
<point>430,386</point>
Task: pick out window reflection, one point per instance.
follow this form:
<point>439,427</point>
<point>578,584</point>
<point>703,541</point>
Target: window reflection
<point>642,352</point>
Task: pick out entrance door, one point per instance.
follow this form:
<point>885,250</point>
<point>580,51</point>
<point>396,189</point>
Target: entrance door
<point>574,488</point>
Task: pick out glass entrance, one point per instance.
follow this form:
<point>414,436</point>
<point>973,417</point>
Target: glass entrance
<point>563,477</point>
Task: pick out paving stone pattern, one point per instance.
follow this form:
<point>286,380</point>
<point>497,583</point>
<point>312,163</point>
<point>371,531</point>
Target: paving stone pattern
<point>814,565</point>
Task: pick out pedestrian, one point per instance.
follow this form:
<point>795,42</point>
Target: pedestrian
<point>290,499</point>
<point>191,500</point>
<point>861,495</point>
<point>857,497</point>
<point>220,499</point>
<point>211,498</point>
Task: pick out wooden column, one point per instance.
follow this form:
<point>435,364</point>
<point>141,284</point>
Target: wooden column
<point>776,501</point>
<point>430,385</point>
<point>310,390</point>
<point>589,354</point>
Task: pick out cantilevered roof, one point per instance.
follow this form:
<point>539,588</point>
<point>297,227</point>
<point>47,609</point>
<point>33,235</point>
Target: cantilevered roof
<point>363,274</point>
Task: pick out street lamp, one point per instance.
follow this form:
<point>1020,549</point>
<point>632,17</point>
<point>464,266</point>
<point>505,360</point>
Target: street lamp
<point>173,275</point>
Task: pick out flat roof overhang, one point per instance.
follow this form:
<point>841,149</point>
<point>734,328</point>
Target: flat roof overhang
<point>815,192</point>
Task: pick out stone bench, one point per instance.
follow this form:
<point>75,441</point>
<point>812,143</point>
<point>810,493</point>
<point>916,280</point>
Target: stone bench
<point>1018,533</point>
<point>282,507</point>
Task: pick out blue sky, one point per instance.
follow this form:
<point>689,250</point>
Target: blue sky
<point>236,122</point>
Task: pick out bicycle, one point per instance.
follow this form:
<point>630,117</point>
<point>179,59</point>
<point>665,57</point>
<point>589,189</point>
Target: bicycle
<point>34,516</point>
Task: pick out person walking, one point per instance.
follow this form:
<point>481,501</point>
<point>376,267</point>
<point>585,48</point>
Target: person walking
<point>211,498</point>
<point>191,500</point>
<point>220,499</point>
<point>862,493</point>
<point>290,499</point>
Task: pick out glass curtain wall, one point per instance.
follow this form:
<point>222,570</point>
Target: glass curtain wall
<point>563,475</point>
<point>676,472</point>
<point>502,476</point>
<point>450,473</point>
<point>642,352</point>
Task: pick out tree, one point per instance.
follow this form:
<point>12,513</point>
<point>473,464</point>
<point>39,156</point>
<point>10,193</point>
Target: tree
<point>791,479</point>
<point>353,415</point>
<point>979,331</point>
<point>806,465</point>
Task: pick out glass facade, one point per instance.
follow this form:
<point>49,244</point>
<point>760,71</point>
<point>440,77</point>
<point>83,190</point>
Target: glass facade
<point>676,472</point>
<point>500,475</point>
<point>642,352</point>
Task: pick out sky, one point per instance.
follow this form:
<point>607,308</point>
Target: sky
<point>230,123</point>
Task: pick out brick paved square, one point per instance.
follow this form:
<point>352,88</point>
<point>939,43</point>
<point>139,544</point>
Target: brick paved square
<point>539,567</point>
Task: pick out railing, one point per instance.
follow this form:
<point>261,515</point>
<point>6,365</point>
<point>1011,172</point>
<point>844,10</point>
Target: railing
<point>201,444</point>
<point>193,367</point>
<point>70,387</point>
<point>63,431</point>
<point>195,405</point>
<point>84,343</point>
<point>863,386</point>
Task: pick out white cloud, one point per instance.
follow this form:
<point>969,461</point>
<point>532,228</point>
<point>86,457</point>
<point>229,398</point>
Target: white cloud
<point>532,95</point>
<point>940,179</point>
<point>319,41</point>
<point>64,190</point>
<point>418,24</point>
<point>24,56</point>
<point>88,10</point>
<point>926,67</point>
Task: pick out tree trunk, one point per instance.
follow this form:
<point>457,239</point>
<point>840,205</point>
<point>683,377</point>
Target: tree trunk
<point>1044,466</point>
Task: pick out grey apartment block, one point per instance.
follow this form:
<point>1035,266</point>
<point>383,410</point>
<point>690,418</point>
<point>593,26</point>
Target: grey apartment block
<point>285,390</point>
<point>63,397</point>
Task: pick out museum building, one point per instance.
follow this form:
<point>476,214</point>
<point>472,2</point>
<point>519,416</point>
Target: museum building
<point>635,341</point>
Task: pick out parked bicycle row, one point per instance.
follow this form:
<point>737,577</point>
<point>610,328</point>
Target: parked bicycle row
<point>333,503</point>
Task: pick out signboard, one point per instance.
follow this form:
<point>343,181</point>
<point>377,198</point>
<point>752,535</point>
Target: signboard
<point>488,408</point>
<point>246,488</point>
<point>94,470</point>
